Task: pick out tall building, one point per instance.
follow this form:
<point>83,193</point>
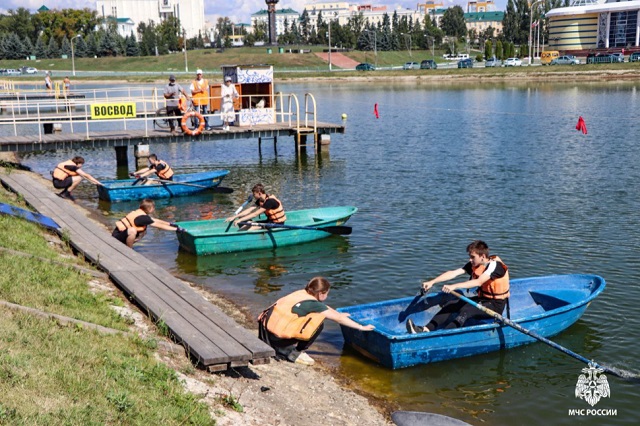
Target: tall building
<point>593,24</point>
<point>282,16</point>
<point>481,6</point>
<point>189,12</point>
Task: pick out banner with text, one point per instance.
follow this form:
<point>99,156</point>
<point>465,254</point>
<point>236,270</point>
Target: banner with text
<point>113,110</point>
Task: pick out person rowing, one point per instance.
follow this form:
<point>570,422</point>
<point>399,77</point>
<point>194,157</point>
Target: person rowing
<point>159,167</point>
<point>265,203</point>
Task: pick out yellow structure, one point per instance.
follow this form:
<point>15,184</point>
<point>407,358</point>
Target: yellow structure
<point>429,5</point>
<point>481,6</point>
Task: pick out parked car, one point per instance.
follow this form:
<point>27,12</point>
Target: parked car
<point>618,56</point>
<point>492,63</point>
<point>465,63</point>
<point>365,66</point>
<point>512,62</point>
<point>634,57</point>
<point>602,58</point>
<point>428,64</point>
<point>565,60</point>
<point>12,71</point>
<point>411,66</point>
<point>29,70</point>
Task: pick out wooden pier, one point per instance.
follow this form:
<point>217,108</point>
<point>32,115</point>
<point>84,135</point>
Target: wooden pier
<point>211,338</point>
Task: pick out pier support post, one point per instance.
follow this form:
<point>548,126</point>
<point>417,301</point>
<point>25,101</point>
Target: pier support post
<point>122,159</point>
<point>141,153</point>
<point>323,142</point>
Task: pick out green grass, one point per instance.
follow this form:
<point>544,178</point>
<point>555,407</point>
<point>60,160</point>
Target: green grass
<point>60,375</point>
<point>210,61</point>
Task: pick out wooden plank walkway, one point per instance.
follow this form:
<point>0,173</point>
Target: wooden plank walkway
<point>210,337</point>
<point>125,138</point>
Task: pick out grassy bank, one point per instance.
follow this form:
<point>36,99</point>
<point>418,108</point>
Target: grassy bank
<point>52,374</point>
<point>291,65</point>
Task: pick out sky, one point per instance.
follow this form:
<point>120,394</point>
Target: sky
<point>236,11</point>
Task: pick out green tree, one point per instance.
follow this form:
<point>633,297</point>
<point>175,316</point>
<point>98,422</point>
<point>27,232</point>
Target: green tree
<point>132,46</point>
<point>499,52</point>
<point>108,44</point>
<point>452,22</point>
<point>169,35</point>
<point>488,49</point>
<point>19,22</point>
<point>92,45</point>
<point>28,47</point>
<point>12,47</point>
<point>148,38</point>
<point>80,47</point>
<point>53,51</point>
<point>65,47</point>
<point>41,48</point>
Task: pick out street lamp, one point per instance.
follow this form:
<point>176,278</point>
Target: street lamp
<point>184,42</point>
<point>335,14</point>
<point>531,24</point>
<point>375,45</point>
<point>407,35</point>
<point>73,60</point>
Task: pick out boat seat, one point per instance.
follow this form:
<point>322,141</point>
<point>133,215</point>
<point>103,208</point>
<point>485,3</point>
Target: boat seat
<point>317,219</point>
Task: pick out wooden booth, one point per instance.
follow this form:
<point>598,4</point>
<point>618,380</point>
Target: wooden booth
<point>254,83</point>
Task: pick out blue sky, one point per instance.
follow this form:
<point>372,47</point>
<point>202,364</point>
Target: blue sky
<point>237,11</point>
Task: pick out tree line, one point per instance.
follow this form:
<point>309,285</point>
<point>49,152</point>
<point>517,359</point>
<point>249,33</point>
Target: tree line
<point>49,34</point>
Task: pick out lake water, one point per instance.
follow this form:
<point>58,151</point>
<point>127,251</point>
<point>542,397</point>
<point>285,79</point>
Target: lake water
<point>442,166</point>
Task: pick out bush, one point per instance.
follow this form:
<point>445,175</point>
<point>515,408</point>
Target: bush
<point>479,57</point>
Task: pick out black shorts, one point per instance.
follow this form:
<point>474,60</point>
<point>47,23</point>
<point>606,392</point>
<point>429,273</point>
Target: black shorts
<point>62,184</point>
<point>120,235</point>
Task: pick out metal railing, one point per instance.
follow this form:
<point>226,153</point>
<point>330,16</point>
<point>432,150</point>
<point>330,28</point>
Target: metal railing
<point>75,113</point>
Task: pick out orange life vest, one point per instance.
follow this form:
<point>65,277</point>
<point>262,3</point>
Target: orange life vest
<point>201,98</point>
<point>165,173</point>
<point>61,173</point>
<point>493,288</point>
<point>275,215</point>
<point>129,221</point>
<point>287,325</point>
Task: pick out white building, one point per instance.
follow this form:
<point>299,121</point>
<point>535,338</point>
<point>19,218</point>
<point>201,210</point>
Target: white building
<point>343,11</point>
<point>282,15</point>
<point>189,12</point>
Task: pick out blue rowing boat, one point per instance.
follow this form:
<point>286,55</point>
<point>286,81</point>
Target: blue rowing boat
<point>545,305</point>
<point>217,236</point>
<point>185,184</point>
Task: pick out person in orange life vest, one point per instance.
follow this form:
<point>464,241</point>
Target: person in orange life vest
<point>133,226</point>
<point>200,96</point>
<point>265,203</point>
<point>68,174</point>
<point>488,273</point>
<point>291,325</point>
<point>159,167</point>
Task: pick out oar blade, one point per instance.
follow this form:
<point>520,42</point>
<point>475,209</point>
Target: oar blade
<point>222,190</point>
<point>337,230</point>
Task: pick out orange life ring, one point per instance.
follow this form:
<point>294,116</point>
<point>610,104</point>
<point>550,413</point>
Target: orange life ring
<point>186,119</point>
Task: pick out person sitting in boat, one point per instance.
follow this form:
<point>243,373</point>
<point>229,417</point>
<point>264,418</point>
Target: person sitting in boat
<point>159,167</point>
<point>265,203</point>
<point>488,273</point>
<point>292,324</point>
<point>133,226</point>
<point>68,175</point>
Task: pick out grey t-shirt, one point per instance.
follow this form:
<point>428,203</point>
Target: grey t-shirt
<point>174,91</point>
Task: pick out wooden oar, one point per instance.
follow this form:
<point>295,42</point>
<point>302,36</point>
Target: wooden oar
<point>336,230</point>
<point>521,329</point>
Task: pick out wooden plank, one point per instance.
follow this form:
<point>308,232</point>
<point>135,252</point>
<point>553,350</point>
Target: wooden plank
<point>218,350</point>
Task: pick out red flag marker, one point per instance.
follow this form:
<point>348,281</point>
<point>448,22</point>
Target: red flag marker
<point>375,111</point>
<point>581,126</point>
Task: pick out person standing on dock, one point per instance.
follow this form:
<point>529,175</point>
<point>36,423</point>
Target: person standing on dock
<point>133,226</point>
<point>200,95</point>
<point>488,273</point>
<point>265,203</point>
<point>159,167</point>
<point>67,84</point>
<point>172,95</point>
<point>228,93</point>
<point>68,174</point>
<point>48,84</point>
<point>292,324</point>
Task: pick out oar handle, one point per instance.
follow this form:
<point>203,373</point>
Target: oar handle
<point>249,198</point>
<point>521,329</point>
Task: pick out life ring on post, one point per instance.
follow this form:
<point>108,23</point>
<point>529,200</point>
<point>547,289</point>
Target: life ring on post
<point>189,118</point>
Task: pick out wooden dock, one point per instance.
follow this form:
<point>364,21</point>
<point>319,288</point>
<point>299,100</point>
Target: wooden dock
<point>209,336</point>
<point>130,138</point>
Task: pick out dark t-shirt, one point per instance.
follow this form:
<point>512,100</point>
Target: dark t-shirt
<point>159,167</point>
<point>144,220</point>
<point>269,204</point>
<point>307,307</point>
